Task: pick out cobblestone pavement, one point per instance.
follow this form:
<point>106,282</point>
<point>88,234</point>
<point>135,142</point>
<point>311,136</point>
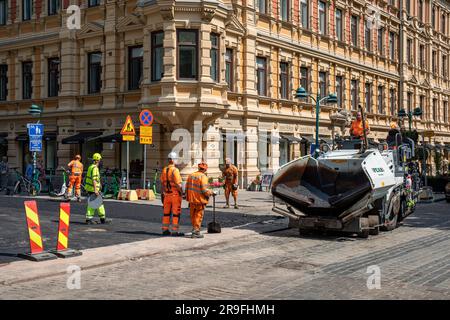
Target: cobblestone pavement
<point>414,261</point>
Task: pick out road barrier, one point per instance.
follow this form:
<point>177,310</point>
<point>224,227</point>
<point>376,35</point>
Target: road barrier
<point>145,194</point>
<point>129,195</point>
<point>37,252</point>
<point>62,246</point>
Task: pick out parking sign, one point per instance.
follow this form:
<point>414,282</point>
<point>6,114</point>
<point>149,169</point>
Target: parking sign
<point>35,129</point>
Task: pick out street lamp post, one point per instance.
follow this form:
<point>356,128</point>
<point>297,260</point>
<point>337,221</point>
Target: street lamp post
<point>331,98</point>
<point>416,113</point>
<point>35,111</point>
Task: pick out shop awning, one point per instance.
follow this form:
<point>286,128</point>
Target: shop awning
<point>108,138</point>
<point>290,138</point>
<point>326,140</point>
<point>309,139</point>
<point>81,137</point>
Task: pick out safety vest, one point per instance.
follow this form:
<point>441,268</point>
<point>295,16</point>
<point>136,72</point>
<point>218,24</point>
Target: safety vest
<point>197,188</point>
<point>170,179</point>
<point>77,167</point>
<point>93,174</point>
<point>357,128</point>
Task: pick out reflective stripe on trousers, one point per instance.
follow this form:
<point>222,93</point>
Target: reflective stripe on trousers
<point>172,206</point>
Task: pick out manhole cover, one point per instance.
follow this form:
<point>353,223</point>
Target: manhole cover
<point>296,265</point>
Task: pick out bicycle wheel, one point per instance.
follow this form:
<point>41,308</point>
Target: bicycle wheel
<point>17,188</point>
<point>35,188</point>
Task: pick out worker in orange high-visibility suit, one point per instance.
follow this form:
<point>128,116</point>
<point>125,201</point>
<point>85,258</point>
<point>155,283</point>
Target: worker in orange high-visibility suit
<point>172,195</point>
<point>231,179</point>
<point>356,129</point>
<point>76,172</point>
<point>197,194</point>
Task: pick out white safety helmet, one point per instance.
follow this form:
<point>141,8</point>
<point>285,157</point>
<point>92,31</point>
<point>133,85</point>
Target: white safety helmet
<point>172,156</point>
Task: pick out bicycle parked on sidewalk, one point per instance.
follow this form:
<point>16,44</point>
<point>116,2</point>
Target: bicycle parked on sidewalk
<point>63,190</point>
<point>110,183</point>
<point>33,187</point>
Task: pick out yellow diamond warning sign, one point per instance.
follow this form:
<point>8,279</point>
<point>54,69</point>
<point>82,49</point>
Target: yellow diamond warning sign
<point>128,128</point>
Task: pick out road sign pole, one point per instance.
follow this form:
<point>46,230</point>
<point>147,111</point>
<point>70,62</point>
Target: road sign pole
<point>128,165</point>
<point>145,165</point>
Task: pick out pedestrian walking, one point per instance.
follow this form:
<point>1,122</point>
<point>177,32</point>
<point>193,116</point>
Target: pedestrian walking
<point>93,188</point>
<point>172,196</point>
<point>197,194</point>
<point>76,173</point>
<point>231,183</point>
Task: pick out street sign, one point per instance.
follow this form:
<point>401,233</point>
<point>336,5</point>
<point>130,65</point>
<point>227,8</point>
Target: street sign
<point>128,128</point>
<point>35,129</point>
<point>128,138</point>
<point>145,140</point>
<point>146,118</point>
<point>35,143</point>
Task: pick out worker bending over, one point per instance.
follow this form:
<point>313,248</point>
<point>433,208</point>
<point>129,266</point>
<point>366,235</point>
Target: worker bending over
<point>197,194</point>
<point>231,179</point>
<point>356,129</point>
<point>76,172</point>
<point>172,195</point>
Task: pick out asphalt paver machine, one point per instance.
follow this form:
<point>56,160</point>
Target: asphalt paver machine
<point>350,187</point>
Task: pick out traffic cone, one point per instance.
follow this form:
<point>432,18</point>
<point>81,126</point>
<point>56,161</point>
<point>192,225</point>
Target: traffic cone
<point>34,231</point>
<point>62,246</point>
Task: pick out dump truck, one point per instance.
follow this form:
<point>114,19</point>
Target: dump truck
<point>349,187</point>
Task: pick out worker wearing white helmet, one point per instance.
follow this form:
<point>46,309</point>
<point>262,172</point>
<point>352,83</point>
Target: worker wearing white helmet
<point>171,196</point>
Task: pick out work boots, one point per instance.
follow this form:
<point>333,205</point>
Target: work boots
<point>236,206</point>
<point>196,234</point>
<point>105,221</point>
<point>177,234</point>
<point>166,233</point>
<point>89,221</point>
<point>226,206</point>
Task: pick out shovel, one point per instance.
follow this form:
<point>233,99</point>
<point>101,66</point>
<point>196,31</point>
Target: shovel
<point>214,227</point>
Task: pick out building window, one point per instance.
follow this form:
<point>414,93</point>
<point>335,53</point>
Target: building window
<point>409,54</point>
<point>304,78</point>
<point>380,41</point>
<point>354,93</point>
<point>27,80</point>
<point>53,7</point>
<point>421,56</point>
<point>304,11</point>
<point>354,30</point>
<point>187,54</point>
<point>261,78</point>
<point>392,45</point>
<point>323,84</point>
<point>444,66</point>
<point>368,96</point>
<point>434,61</point>
<point>3,82</point>
<point>420,9</point>
<point>27,8</point>
<point>409,101</point>
<point>435,110</point>
<point>3,12</point>
<point>380,99</point>
<point>392,100</point>
<point>229,68</point>
<point>285,9</point>
<point>53,77</point>
<point>215,57</point>
<point>262,6</point>
<point>93,3</point>
<point>94,72</point>
<point>284,80</point>
<point>408,6</point>
<point>367,36</point>
<point>135,65</point>
<point>339,34</point>
<point>322,18</point>
<point>157,55</point>
<point>443,24</point>
<point>445,112</point>
<point>422,103</point>
<point>340,90</point>
<point>433,17</point>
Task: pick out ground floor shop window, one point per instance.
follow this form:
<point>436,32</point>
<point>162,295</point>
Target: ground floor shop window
<point>87,149</point>
<point>232,146</point>
<point>264,152</point>
<point>136,158</point>
<point>50,155</point>
<point>286,151</point>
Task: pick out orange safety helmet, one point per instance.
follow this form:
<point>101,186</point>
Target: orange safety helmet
<point>203,166</point>
<point>78,157</point>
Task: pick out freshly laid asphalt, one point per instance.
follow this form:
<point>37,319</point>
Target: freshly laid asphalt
<point>130,222</point>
